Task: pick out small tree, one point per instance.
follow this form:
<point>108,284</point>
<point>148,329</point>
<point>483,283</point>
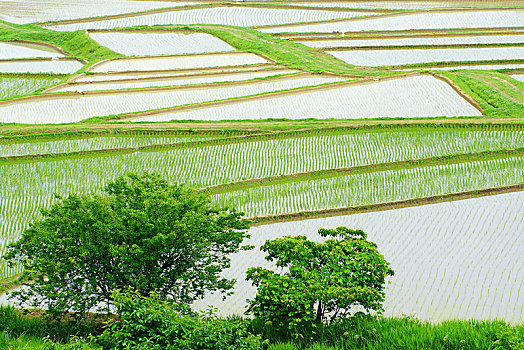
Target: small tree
<point>144,233</point>
<point>321,280</point>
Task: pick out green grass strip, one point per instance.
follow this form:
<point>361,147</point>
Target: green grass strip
<point>77,44</point>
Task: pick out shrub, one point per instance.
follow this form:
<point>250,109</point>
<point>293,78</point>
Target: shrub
<point>153,323</point>
<point>323,281</point>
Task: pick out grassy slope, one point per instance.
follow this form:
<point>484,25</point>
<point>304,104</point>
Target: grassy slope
<point>492,101</point>
<point>77,44</point>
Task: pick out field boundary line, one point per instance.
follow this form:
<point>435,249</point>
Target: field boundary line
<point>485,80</point>
<point>368,168</point>
<point>400,33</point>
<point>185,70</point>
<point>384,37</point>
<point>196,106</point>
<point>461,92</point>
<point>384,206</point>
<point>44,59</point>
<point>62,95</point>
<point>135,130</point>
<point>418,47</point>
<point>163,77</point>
<point>131,58</point>
<point>127,15</point>
<point>387,15</point>
<point>54,47</point>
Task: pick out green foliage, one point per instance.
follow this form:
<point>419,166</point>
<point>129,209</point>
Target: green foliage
<point>154,323</point>
<point>144,233</point>
<point>78,43</point>
<point>509,338</point>
<point>407,333</point>
<point>492,101</point>
<point>332,277</point>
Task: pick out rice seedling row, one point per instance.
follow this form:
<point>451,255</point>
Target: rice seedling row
<point>155,44</point>
<point>21,196</point>
<point>455,260</point>
<point>29,11</point>
<point>447,40</point>
<point>411,97</point>
<point>178,62</point>
<point>241,16</point>
<point>396,57</point>
<point>15,86</point>
<point>173,81</point>
<point>374,187</point>
<point>425,20</point>
<point>52,67</point>
<point>87,144</point>
<point>68,109</point>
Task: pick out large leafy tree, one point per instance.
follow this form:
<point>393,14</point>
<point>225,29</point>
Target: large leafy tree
<point>143,233</point>
<point>319,281</point>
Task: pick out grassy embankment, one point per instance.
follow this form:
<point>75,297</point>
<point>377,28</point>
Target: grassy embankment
<point>18,331</point>
<point>486,90</point>
<point>77,44</point>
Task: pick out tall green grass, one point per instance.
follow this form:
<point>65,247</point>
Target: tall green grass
<point>405,333</point>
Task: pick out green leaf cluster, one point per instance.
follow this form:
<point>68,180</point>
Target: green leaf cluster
<point>154,323</point>
<point>319,282</point>
<point>143,233</point>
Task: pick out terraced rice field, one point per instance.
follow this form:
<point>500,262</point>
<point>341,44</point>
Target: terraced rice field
<point>29,11</point>
<point>411,56</point>
<point>231,16</point>
<point>54,67</point>
<point>447,40</point>
<point>471,268</point>
<point>174,81</point>
<point>73,108</point>
<point>21,196</point>
<point>20,50</point>
<point>409,5</point>
<point>13,86</point>
<point>99,77</point>
<point>178,62</point>
<point>9,149</point>
<point>367,188</point>
<point>427,20</point>
<point>297,112</point>
<point>418,96</point>
<point>156,44</point>
<point>476,67</point>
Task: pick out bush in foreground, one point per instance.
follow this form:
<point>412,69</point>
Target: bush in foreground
<point>144,233</point>
<point>153,323</point>
<point>321,281</point>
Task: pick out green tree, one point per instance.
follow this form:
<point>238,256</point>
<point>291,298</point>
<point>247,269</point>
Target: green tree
<point>320,281</point>
<point>143,233</point>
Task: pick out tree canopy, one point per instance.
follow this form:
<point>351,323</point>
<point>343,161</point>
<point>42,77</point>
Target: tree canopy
<point>343,275</point>
<point>142,233</point>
